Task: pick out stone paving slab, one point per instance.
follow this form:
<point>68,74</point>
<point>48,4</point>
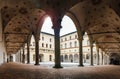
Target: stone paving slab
<point>24,71</point>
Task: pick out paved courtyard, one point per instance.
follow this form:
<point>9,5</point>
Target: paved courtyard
<point>24,71</point>
<point>64,64</point>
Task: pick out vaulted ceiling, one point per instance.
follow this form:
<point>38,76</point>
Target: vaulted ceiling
<point>99,18</point>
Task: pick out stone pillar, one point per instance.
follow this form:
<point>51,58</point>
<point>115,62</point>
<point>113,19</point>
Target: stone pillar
<point>91,57</point>
<point>20,56</point>
<point>28,53</point>
<point>80,51</point>
<point>23,56</point>
<point>108,59</point>
<point>57,47</point>
<point>105,59</point>
<point>102,58</point>
<point>37,55</point>
<point>98,57</point>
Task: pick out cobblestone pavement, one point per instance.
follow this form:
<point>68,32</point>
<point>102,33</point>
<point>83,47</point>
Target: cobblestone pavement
<point>24,71</point>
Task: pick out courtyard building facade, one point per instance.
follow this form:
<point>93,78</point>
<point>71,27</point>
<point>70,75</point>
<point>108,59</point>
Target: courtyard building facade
<point>69,48</point>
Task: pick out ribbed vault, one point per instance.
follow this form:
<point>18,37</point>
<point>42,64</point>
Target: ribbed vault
<point>101,21</point>
<point>99,18</point>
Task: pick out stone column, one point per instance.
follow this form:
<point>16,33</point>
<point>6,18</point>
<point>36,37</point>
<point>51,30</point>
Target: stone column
<point>105,59</point>
<point>23,56</point>
<point>91,57</point>
<point>28,53</point>
<point>98,57</point>
<point>108,60</point>
<point>57,47</point>
<point>102,58</point>
<point>80,51</point>
<point>37,55</point>
<point>20,56</point>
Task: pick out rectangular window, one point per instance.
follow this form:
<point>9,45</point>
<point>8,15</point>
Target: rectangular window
<point>50,57</point>
<point>42,44</point>
<point>50,46</point>
<point>46,45</point>
<point>43,38</point>
<point>50,40</point>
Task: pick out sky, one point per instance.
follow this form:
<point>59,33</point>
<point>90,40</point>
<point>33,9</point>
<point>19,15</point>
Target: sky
<point>67,26</point>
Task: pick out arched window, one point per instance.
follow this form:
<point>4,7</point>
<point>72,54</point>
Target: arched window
<point>75,43</point>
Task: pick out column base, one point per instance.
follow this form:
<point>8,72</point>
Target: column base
<point>28,63</point>
<point>91,65</point>
<point>37,64</point>
<point>57,66</point>
<point>81,65</point>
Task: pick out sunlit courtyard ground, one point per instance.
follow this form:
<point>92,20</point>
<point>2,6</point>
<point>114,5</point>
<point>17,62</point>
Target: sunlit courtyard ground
<point>29,71</point>
<point>63,64</point>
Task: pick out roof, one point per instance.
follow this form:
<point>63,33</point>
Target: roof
<point>69,33</point>
<point>47,33</point>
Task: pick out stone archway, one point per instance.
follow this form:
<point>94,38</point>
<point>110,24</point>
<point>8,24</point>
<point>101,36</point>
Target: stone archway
<point>66,58</point>
<point>76,58</point>
<point>70,58</point>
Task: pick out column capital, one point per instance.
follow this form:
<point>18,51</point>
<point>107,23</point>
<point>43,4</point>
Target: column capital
<point>37,37</point>
<point>56,27</point>
<point>81,38</point>
<point>56,22</point>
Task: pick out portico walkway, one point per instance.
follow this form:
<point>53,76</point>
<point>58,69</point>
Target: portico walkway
<point>24,71</point>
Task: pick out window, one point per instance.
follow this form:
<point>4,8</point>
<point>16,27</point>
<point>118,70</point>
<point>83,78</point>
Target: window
<point>42,44</point>
<point>50,40</point>
<point>43,38</point>
<point>50,57</point>
<point>70,37</point>
<point>65,45</point>
<point>50,46</point>
<point>65,39</point>
<point>46,45</point>
<point>75,36</point>
<point>75,43</point>
<point>70,44</point>
<point>87,56</point>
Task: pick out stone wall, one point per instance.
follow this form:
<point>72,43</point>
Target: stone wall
<point>2,48</point>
